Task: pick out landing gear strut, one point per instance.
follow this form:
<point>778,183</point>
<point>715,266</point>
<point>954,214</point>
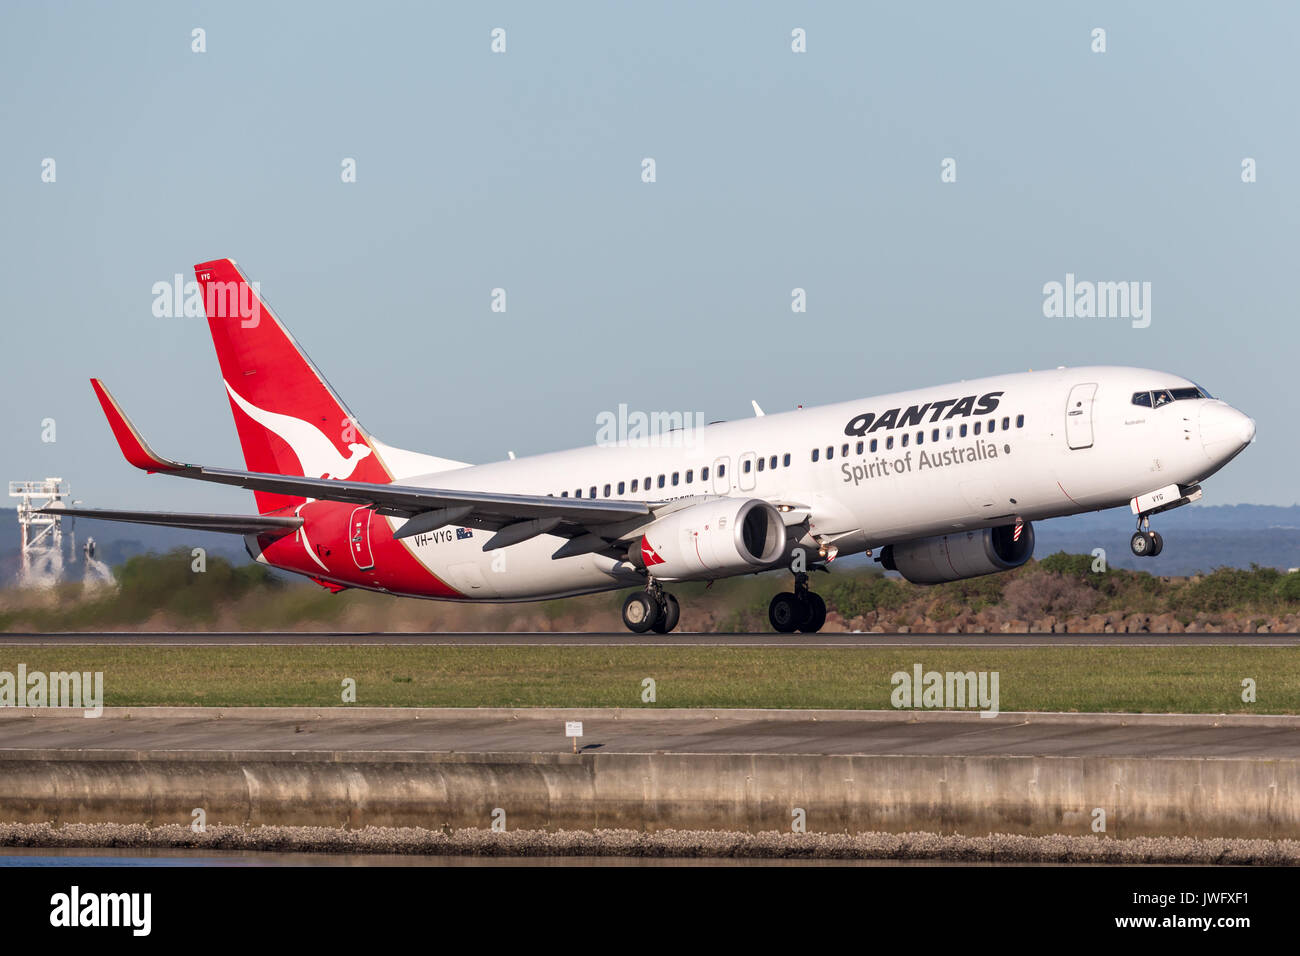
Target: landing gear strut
<point>801,610</point>
<point>1146,543</point>
<point>653,609</point>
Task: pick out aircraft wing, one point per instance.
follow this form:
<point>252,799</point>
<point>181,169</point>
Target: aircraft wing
<point>524,515</point>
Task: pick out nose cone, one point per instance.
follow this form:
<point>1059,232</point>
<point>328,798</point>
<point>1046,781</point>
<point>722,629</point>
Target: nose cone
<point>1224,430</point>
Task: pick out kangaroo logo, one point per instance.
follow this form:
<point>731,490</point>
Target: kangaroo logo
<point>316,453</point>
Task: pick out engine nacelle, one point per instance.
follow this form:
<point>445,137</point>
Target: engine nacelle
<point>966,554</point>
<point>712,539</point>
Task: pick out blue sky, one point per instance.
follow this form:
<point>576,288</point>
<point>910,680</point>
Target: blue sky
<point>522,171</point>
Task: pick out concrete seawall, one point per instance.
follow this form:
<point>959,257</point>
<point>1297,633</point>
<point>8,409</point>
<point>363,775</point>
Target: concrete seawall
<point>1202,796</point>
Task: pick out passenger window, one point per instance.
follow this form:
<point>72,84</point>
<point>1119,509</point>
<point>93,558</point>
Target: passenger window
<point>676,475</point>
<point>948,433</point>
<point>621,486</point>
<point>647,482</point>
<point>977,428</point>
<point>747,466</point>
<point>963,430</point>
<point>593,491</point>
<point>722,471</point>
<point>786,460</point>
<point>993,424</point>
<point>934,435</point>
<point>761,463</point>
<point>920,438</point>
<point>874,445</point>
<point>772,462</point>
<point>905,437</point>
<point>607,491</point>
<point>889,442</point>
<point>1142,398</point>
<point>859,448</point>
<point>634,484</point>
<point>815,454</point>
<point>577,493</point>
<point>661,481</point>
<point>830,452</point>
<point>564,494</point>
<point>1006,423</point>
<point>844,450</point>
<point>1020,421</point>
<point>690,475</point>
<point>704,473</point>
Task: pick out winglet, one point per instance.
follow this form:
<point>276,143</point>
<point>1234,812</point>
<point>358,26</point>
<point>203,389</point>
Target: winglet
<point>134,448</point>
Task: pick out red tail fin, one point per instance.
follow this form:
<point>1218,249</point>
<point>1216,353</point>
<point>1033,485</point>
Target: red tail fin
<point>290,421</point>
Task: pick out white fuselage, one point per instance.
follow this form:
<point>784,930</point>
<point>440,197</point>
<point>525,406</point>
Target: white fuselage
<point>1058,442</point>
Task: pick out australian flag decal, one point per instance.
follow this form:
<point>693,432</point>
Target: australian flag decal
<point>463,533</point>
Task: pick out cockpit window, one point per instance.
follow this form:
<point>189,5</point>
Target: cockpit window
<point>1163,396</point>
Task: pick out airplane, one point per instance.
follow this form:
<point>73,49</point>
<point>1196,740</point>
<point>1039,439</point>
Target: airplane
<point>938,484</point>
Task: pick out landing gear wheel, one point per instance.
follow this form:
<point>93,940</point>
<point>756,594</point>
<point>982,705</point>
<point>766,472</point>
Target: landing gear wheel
<point>1157,543</point>
<point>668,616</point>
<point>786,612</point>
<point>640,612</point>
<point>1141,544</point>
<point>816,614</point>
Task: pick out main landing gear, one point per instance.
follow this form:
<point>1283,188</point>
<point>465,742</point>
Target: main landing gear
<point>1146,543</point>
<point>653,609</point>
<point>802,610</point>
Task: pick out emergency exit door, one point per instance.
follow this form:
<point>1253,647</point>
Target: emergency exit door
<point>359,532</point>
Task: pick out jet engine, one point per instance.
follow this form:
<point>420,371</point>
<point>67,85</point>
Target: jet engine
<point>712,539</point>
<point>967,554</point>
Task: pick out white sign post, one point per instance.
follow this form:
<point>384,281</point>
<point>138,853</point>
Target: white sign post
<point>573,728</point>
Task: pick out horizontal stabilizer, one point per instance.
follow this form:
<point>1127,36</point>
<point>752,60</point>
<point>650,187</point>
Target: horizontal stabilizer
<point>233,524</point>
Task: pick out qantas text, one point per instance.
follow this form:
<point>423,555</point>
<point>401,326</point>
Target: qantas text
<point>915,414</point>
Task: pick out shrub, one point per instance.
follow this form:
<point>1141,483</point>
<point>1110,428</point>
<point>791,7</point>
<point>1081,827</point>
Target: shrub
<point>1288,587</point>
<point>1228,588</point>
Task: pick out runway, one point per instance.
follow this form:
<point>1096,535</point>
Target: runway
<point>628,639</point>
<point>411,731</point>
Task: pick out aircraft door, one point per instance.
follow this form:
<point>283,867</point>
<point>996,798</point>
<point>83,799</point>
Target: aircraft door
<point>1078,415</point>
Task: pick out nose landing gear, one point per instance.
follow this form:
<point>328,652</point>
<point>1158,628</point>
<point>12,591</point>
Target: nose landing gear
<point>802,610</point>
<point>1146,543</point>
